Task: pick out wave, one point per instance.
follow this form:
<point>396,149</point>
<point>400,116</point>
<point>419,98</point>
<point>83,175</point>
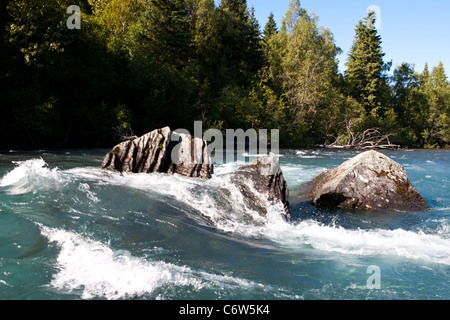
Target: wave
<point>257,155</point>
<point>98,271</point>
<point>416,245</point>
<point>308,154</point>
<point>217,200</point>
<point>221,204</point>
<point>30,175</point>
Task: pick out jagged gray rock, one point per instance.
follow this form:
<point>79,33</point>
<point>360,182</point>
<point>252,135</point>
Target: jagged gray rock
<point>264,176</point>
<point>162,151</point>
<point>165,151</point>
<point>369,181</point>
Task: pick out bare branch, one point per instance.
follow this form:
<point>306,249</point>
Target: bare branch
<point>369,139</point>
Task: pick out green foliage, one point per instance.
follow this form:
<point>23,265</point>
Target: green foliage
<point>437,91</point>
<point>365,67</point>
<point>271,27</point>
<point>303,72</point>
<point>56,76</point>
<point>409,104</point>
<point>137,65</point>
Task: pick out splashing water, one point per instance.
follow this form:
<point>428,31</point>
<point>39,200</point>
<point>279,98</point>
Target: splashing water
<point>90,233</point>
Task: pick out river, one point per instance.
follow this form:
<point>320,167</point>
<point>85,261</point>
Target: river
<point>69,230</point>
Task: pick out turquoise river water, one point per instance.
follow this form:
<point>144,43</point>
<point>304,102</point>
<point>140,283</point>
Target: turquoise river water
<point>69,230</point>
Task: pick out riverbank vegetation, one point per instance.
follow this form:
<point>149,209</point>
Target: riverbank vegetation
<point>137,65</point>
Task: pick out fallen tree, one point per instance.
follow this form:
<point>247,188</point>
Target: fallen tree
<point>369,139</point>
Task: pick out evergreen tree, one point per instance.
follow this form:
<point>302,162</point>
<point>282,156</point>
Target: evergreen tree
<point>162,47</point>
<point>205,64</point>
<point>365,67</point>
<point>404,81</point>
<point>239,41</point>
<point>437,91</point>
<point>166,30</point>
<point>425,75</point>
<point>61,80</point>
<point>410,106</point>
<point>240,57</point>
<point>271,27</point>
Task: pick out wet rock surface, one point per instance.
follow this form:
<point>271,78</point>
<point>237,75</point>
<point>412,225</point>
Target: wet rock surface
<point>369,181</point>
<point>161,151</point>
<point>263,177</point>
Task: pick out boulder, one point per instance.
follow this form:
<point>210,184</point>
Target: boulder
<point>162,151</point>
<point>369,181</point>
<point>165,151</point>
<point>262,181</point>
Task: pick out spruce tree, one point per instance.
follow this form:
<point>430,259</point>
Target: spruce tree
<point>437,91</point>
<point>239,40</point>
<point>240,57</point>
<point>365,67</point>
<point>166,29</point>
<point>161,54</point>
<point>425,75</point>
<point>271,27</point>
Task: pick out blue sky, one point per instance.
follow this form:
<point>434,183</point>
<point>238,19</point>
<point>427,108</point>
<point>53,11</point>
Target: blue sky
<point>412,31</point>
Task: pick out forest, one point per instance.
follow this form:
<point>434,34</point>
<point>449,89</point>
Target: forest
<point>138,65</point>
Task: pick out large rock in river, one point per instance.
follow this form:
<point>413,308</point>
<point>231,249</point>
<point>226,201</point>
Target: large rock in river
<point>369,181</point>
<point>262,183</point>
<point>162,151</point>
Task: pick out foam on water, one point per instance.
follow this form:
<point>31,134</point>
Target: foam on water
<point>307,155</point>
<point>198,194</point>
<point>416,245</point>
<point>228,167</point>
<point>28,176</point>
<point>223,205</point>
<point>218,200</point>
<point>84,187</point>
<point>99,271</point>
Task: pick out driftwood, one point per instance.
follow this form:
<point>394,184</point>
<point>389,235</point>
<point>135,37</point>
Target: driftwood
<point>369,139</point>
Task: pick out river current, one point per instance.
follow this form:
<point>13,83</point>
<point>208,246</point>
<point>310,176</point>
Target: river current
<point>69,230</point>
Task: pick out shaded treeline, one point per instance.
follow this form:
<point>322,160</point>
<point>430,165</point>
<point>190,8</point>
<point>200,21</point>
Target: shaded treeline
<point>138,65</point>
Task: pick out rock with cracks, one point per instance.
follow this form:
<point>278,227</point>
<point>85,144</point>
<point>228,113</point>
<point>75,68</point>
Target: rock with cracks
<point>162,151</point>
<point>262,182</point>
<point>369,181</point>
